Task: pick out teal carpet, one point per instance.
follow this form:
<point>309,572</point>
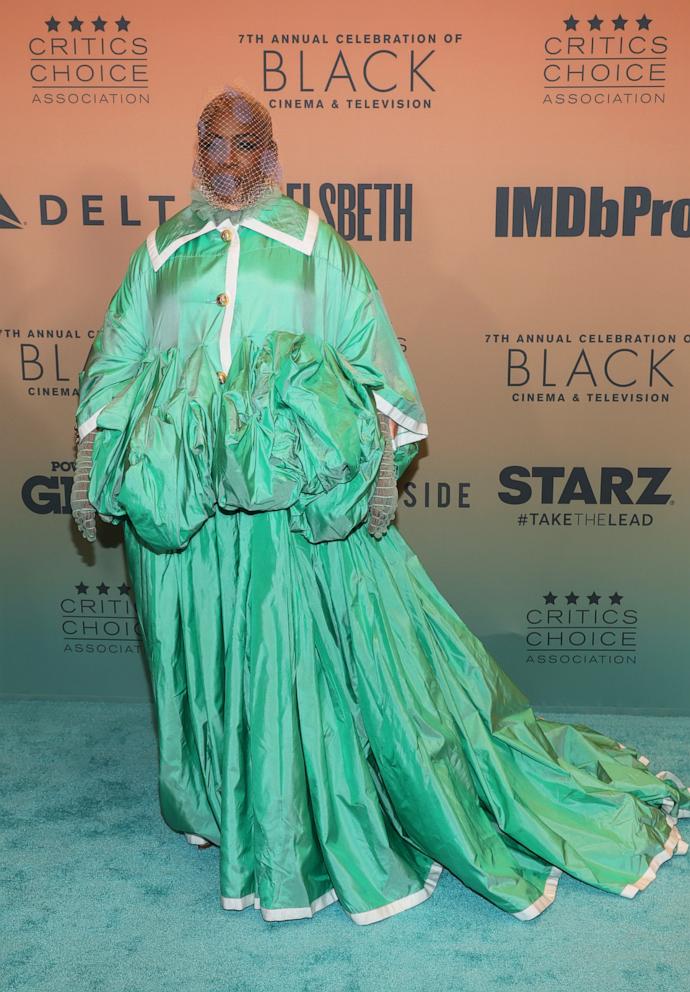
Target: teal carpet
<point>98,894</point>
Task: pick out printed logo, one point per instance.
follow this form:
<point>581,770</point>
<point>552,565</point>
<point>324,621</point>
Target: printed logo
<point>592,367</point>
<point>8,218</point>
<point>576,212</point>
<point>554,484</point>
<point>574,497</point>
<point>596,61</point>
<point>88,61</point>
<point>342,70</point>
<point>574,629</point>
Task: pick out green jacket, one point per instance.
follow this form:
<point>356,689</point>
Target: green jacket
<point>206,295</point>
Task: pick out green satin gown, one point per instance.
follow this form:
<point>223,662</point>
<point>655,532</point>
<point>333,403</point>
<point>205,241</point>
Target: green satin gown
<point>323,715</point>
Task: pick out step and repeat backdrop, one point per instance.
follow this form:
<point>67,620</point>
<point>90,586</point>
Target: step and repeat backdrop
<point>515,177</point>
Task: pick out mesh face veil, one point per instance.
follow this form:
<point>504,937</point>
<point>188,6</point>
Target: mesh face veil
<point>236,156</point>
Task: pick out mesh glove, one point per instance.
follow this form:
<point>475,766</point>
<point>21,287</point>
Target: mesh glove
<point>384,499</point>
<point>83,512</point>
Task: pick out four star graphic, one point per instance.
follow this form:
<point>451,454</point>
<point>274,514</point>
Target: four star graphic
<point>98,24</point>
<point>618,23</point>
<point>572,598</point>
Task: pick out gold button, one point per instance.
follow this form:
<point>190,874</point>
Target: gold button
<point>226,235</point>
<point>222,299</point>
<point>222,376</point>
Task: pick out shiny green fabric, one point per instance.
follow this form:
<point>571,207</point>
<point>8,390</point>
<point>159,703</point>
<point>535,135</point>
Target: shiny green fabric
<point>292,428</point>
<point>323,714</point>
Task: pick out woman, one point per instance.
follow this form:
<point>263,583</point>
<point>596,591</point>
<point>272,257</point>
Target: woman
<point>324,716</point>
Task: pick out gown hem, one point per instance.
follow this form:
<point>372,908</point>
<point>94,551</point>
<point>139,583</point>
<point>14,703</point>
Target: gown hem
<point>330,896</point>
<point>274,915</point>
<point>667,804</point>
<point>196,840</point>
<point>405,902</point>
<point>537,907</point>
<point>674,845</point>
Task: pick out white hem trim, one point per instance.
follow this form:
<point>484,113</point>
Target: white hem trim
<point>273,915</point>
<point>674,844</point>
<point>667,803</point>
<point>415,430</point>
<point>330,896</point>
<point>663,774</point>
<point>89,425</point>
<point>196,839</point>
<point>405,902</point>
<point>545,899</point>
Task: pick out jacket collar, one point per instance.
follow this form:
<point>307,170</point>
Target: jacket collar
<point>275,216</point>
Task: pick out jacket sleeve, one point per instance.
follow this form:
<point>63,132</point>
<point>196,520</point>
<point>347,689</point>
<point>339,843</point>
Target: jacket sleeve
<point>120,344</point>
<point>367,340</point>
